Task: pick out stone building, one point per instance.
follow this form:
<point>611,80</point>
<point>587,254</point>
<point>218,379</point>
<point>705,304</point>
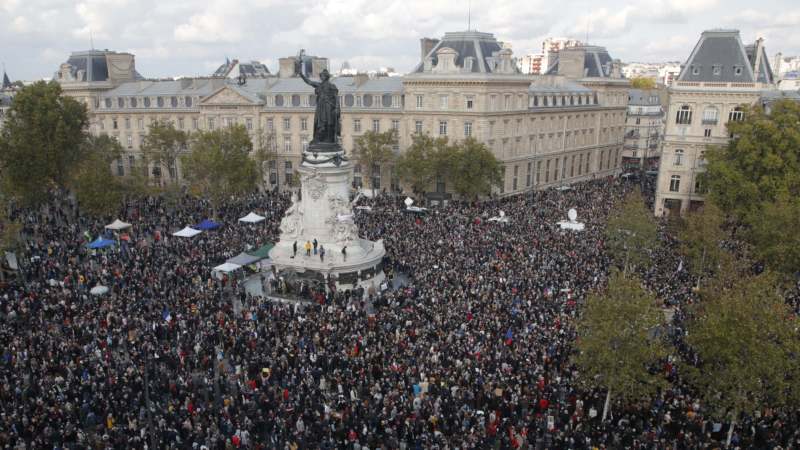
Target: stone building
<point>644,129</point>
<point>547,130</point>
<point>720,76</point>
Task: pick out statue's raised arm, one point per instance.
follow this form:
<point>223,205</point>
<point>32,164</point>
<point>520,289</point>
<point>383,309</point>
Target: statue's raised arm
<point>327,116</point>
<point>298,69</point>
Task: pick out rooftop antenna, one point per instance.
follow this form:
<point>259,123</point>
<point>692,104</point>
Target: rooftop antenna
<point>91,39</point>
<point>469,15</point>
<point>588,24</point>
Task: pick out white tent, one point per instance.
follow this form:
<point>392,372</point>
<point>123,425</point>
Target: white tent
<point>227,267</point>
<point>117,225</point>
<point>252,218</point>
<point>187,232</point>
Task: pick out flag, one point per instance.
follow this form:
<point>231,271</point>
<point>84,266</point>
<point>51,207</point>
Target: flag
<point>509,337</point>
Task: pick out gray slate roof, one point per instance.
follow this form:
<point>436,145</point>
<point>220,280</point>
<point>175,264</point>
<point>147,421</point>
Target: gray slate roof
<point>467,44</point>
<point>596,62</point>
<point>720,56</point>
<point>642,97</point>
<point>94,65</point>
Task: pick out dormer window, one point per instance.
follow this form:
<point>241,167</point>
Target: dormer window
<point>737,70</point>
<point>695,70</point>
<point>716,70</point>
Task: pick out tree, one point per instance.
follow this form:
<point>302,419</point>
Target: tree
<point>758,172</point>
<point>265,149</point>
<point>162,145</point>
<point>220,165</point>
<point>96,188</point>
<point>40,143</point>
<point>475,169</point>
<point>618,344</point>
<point>700,238</point>
<point>744,335</point>
<point>631,233</point>
<point>374,149</point>
<point>420,164</point>
<point>643,83</point>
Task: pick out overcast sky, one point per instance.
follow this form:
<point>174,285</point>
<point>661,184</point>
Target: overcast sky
<point>193,37</point>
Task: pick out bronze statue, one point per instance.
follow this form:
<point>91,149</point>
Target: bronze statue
<point>328,116</point>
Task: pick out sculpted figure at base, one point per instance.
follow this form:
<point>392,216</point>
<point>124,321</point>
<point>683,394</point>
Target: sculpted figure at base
<point>291,224</point>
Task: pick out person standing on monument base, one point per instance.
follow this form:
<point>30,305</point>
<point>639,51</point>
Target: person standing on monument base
<point>294,249</point>
<point>315,243</point>
<point>322,253</point>
<point>308,248</point>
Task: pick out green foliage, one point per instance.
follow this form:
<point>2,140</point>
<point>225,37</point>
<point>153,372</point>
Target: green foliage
<point>475,170</point>
<point>40,143</point>
<point>372,149</point>
<point>643,83</point>
<point>220,165</point>
<point>162,145</point>
<point>700,237</point>
<point>746,339</point>
<point>617,343</point>
<point>265,149</point>
<point>97,189</point>
<point>9,229</point>
<point>631,233</point>
<point>758,173</point>
<point>419,165</point>
<point>468,166</point>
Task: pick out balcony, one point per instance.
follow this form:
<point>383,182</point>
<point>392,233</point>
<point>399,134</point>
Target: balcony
<point>710,121</point>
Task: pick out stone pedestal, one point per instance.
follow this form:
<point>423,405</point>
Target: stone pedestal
<point>324,213</point>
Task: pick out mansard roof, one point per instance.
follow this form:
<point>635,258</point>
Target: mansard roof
<point>482,47</point>
<point>720,56</point>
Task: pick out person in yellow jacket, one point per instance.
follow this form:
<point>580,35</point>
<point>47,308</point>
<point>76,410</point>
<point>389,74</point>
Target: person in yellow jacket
<point>308,248</point>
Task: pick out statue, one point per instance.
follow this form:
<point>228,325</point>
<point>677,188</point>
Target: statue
<point>292,222</point>
<point>327,117</point>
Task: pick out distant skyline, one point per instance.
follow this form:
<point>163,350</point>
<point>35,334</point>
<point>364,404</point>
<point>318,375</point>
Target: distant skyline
<point>187,38</point>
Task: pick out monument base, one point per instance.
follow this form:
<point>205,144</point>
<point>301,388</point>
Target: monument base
<point>324,213</point>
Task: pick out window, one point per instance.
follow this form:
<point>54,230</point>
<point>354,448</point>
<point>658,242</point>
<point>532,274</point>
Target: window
<point>418,126</point>
<point>121,102</point>
<point>580,163</point>
<point>443,100</point>
<point>710,116</point>
<point>248,123</point>
<point>357,176</point>
<point>440,184</point>
<point>303,124</point>
<point>147,102</point>
<point>304,143</point>
<point>187,101</point>
<point>180,123</point>
<point>547,172</point>
<point>467,129</point>
<point>586,168</point>
<point>376,176</point>
<point>160,102</point>
<point>195,123</point>
<point>538,172</point>
<point>707,132</point>
<point>737,70</point>
<point>678,161</point>
<point>287,123</point>
<point>131,161</point>
<point>174,102</point>
<point>127,123</point>
<point>675,183</point>
<point>120,168</point>
<point>134,102</point>
<point>514,182</point>
<point>695,70</point>
<point>356,125</point>
<point>572,167</point>
<point>507,103</point>
<point>492,103</point>
<point>367,101</point>
<point>358,101</point>
<point>736,115</point>
<point>287,144</point>
<point>287,172</point>
<point>395,125</point>
<point>555,170</point>
<point>602,156</point>
<point>470,102</point>
<point>684,116</point>
<point>528,175</point>
<point>419,102</point>
<point>229,122</point>
<point>270,124</point>
<point>129,140</point>
<point>376,125</point>
<point>442,128</point>
<point>716,69</point>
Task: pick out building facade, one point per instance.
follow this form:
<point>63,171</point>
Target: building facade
<point>644,129</point>
<point>720,76</point>
<point>546,130</point>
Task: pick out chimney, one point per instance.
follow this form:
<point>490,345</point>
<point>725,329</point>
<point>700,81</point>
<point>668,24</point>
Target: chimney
<point>286,67</point>
<point>318,65</point>
<point>426,45</point>
<point>571,62</point>
<point>757,60</point>
<point>360,78</point>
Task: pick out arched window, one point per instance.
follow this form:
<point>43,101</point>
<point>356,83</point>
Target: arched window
<point>174,102</point>
<point>736,114</point>
<point>134,102</point>
<point>684,116</point>
<point>147,102</point>
<point>349,100</point>
<point>160,102</point>
<point>121,102</point>
<point>278,100</point>
<point>295,100</point>
<point>187,101</point>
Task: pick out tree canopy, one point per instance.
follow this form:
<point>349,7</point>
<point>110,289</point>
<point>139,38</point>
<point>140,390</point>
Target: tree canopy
<point>96,188</point>
<point>475,170</point>
<point>756,177</point>
<point>631,233</point>
<point>643,83</point>
<point>618,342</point>
<point>373,149</point>
<point>40,143</point>
<point>162,145</point>
<point>219,164</point>
<point>700,236</point>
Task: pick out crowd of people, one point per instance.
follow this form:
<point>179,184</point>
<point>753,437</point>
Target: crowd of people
<point>472,351</point>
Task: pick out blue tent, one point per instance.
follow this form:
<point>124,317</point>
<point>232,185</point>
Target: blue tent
<point>207,225</point>
<point>100,243</point>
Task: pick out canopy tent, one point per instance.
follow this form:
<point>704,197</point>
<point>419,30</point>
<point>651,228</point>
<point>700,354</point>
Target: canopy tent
<point>262,252</point>
<point>187,232</point>
<point>252,218</point>
<point>99,290</point>
<point>207,224</point>
<point>117,225</point>
<point>100,243</point>
<point>243,259</point>
<point>227,267</point>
